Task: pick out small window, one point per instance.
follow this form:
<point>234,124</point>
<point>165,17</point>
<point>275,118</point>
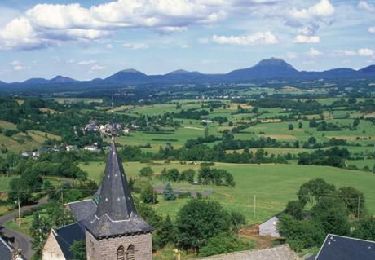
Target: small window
<point>120,253</point>
<point>130,253</point>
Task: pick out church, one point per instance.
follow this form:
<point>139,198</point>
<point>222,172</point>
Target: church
<point>109,224</point>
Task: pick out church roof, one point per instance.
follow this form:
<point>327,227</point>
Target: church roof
<point>5,250</point>
<point>115,214</point>
<point>66,235</point>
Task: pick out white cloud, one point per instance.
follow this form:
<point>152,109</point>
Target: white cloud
<point>17,65</point>
<point>366,52</point>
<point>135,46</point>
<point>96,67</point>
<point>256,38</point>
<point>364,5</point>
<point>306,39</point>
<point>19,32</point>
<point>47,24</point>
<point>371,29</point>
<point>314,52</point>
<point>86,62</point>
<point>323,8</point>
<point>346,53</point>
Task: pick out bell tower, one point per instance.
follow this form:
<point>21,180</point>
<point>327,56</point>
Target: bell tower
<point>115,231</point>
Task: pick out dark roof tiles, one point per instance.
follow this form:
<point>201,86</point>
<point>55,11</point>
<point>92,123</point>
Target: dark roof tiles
<point>115,214</point>
<point>66,235</point>
<point>346,248</point>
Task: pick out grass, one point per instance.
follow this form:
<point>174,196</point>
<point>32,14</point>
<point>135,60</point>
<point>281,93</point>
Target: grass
<point>24,141</point>
<point>24,227</point>
<point>272,185</point>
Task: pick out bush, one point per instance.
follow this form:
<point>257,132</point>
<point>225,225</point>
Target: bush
<point>224,243</point>
<point>169,193</point>
<point>146,172</point>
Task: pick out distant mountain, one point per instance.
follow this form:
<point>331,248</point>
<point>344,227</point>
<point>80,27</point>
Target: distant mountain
<point>339,73</point>
<point>265,70</point>
<point>368,70</point>
<point>181,76</point>
<point>127,75</point>
<point>179,71</point>
<point>36,81</point>
<point>61,79</point>
<point>268,68</point>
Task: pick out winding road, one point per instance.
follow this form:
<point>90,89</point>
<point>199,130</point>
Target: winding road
<point>22,241</point>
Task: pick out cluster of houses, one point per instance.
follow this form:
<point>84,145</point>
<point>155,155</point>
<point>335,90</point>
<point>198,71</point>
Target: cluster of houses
<point>106,129</point>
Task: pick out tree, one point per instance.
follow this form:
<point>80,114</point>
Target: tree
<point>78,249</point>
<point>365,229</point>
<point>354,200</point>
<point>146,172</point>
<point>199,220</point>
<point>237,220</point>
<point>301,234</point>
<point>299,124</point>
<point>169,193</point>
<point>295,209</point>
<point>356,122</point>
<point>313,190</point>
<point>148,195</point>
<point>290,127</point>
<point>331,213</point>
<point>188,175</point>
<point>167,232</point>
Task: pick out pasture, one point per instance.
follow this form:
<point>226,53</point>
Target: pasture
<point>272,185</point>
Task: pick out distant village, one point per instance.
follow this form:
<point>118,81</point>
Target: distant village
<point>105,130</point>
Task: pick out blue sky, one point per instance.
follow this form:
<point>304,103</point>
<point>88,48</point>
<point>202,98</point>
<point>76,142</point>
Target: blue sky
<point>95,38</point>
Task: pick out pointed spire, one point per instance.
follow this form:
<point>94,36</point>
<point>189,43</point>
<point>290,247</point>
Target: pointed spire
<point>114,198</point>
<point>115,213</point>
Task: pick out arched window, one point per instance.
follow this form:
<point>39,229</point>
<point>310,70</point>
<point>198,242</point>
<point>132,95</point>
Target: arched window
<point>130,253</point>
<point>120,253</point>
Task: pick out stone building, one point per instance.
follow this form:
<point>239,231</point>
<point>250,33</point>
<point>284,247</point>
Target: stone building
<point>109,225</point>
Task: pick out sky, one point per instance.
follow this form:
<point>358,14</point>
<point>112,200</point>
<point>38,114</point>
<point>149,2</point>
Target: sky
<point>96,38</point>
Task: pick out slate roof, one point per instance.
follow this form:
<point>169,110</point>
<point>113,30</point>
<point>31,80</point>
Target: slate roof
<point>346,248</point>
<point>82,209</point>
<point>5,250</point>
<point>66,235</point>
<point>115,213</point>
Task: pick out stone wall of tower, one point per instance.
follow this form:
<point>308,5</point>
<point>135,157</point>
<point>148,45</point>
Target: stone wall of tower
<point>106,249</point>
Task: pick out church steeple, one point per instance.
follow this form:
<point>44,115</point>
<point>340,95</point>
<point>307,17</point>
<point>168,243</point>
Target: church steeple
<point>115,214</point>
<point>114,197</point>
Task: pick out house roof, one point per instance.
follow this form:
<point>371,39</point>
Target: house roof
<point>5,250</point>
<point>115,213</point>
<point>346,248</point>
<point>66,235</point>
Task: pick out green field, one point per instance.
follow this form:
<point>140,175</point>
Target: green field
<point>273,185</point>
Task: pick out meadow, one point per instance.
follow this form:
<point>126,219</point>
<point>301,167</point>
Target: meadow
<point>272,185</point>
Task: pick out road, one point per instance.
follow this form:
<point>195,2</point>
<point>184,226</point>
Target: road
<point>22,241</point>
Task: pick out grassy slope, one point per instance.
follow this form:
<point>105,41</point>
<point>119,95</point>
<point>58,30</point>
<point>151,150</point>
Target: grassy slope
<point>273,185</point>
